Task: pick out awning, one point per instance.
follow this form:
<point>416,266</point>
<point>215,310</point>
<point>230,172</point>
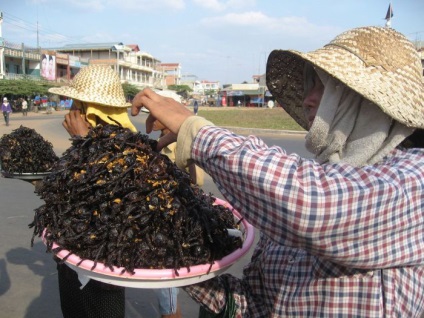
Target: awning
<point>254,92</point>
<point>257,100</point>
<point>235,93</point>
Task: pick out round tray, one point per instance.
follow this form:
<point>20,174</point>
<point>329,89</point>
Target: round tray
<point>25,176</point>
<point>34,176</point>
<point>160,278</point>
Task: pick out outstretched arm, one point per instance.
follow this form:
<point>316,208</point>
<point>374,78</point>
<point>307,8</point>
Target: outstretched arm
<point>168,111</point>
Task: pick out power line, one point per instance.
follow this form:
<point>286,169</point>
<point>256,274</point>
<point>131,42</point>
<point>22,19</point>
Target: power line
<point>46,33</point>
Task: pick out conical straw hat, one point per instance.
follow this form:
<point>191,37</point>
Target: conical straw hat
<point>378,63</point>
<point>96,84</point>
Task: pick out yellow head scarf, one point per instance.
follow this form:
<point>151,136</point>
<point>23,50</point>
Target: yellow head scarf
<point>108,114</point>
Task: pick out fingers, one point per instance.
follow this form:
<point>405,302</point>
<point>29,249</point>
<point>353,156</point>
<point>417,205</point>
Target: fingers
<point>150,121</point>
<point>165,109</point>
<point>140,100</point>
<point>75,124</point>
<point>167,139</point>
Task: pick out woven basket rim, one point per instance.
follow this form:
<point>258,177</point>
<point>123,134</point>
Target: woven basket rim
<point>399,92</point>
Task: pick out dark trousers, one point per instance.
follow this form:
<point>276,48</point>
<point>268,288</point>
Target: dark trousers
<point>6,118</point>
<point>95,300</point>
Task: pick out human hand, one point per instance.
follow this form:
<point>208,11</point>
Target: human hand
<point>168,111</point>
<point>166,136</point>
<point>76,124</point>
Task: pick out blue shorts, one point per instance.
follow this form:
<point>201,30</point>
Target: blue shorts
<point>167,298</point>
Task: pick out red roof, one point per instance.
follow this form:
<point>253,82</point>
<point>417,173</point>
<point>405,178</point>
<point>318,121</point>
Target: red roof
<point>134,47</point>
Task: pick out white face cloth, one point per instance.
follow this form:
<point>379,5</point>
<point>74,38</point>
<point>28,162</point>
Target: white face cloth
<point>350,129</point>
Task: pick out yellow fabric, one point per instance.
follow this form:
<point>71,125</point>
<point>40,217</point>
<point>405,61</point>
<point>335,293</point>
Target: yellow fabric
<point>119,114</point>
<point>186,135</point>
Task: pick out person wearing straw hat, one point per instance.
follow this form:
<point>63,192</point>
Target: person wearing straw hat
<point>98,98</point>
<point>342,233</point>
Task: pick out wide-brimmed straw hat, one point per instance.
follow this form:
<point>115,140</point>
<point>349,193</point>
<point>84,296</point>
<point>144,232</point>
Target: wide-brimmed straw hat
<point>378,63</point>
<point>96,84</point>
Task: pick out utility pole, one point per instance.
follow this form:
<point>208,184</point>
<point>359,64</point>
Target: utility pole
<point>2,75</point>
<point>38,40</point>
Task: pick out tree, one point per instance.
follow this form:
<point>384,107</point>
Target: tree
<point>182,90</point>
<point>130,90</point>
<point>210,92</point>
<point>25,87</point>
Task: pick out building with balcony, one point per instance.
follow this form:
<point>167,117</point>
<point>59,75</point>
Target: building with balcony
<point>172,73</point>
<point>202,87</point>
<point>135,67</point>
<point>17,60</point>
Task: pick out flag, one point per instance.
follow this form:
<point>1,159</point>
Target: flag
<point>389,13</point>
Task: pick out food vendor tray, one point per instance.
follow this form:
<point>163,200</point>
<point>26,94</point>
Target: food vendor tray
<point>160,278</point>
<point>24,176</point>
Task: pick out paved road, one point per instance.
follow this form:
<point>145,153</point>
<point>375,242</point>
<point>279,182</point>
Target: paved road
<point>28,278</point>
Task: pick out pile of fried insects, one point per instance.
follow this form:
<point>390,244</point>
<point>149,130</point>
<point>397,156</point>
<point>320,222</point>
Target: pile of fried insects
<point>26,151</point>
<point>112,198</point>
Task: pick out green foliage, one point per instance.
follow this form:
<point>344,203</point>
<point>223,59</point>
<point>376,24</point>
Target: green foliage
<point>182,90</point>
<point>130,90</point>
<point>210,92</point>
<point>24,87</point>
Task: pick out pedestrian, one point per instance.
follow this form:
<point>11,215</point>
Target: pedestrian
<point>195,107</point>
<point>238,103</point>
<point>6,109</point>
<point>24,107</point>
<point>341,234</point>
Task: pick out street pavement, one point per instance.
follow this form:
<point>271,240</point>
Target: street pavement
<point>28,276</point>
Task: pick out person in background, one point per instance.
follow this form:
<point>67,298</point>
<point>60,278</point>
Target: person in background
<point>167,297</point>
<point>84,114</point>
<point>341,234</point>
<point>196,174</point>
<point>24,107</point>
<point>196,107</point>
<point>98,98</point>
<point>6,109</point>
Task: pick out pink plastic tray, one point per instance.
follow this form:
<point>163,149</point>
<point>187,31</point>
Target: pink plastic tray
<point>159,278</point>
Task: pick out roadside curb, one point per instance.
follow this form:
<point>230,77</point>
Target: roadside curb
<point>257,131</point>
<point>237,130</point>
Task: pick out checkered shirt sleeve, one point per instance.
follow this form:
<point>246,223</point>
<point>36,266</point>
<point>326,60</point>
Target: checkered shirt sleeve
<point>331,233</point>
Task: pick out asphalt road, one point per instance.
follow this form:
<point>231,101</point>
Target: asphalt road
<point>28,277</point>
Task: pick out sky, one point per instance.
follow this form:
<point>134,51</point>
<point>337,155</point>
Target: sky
<point>213,40</point>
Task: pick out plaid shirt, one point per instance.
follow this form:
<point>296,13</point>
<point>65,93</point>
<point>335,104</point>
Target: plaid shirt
<point>335,241</point>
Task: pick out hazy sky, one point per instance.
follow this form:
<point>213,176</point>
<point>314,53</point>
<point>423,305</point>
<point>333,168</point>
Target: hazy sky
<point>226,41</point>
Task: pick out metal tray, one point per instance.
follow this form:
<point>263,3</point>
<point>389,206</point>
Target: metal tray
<point>25,176</point>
